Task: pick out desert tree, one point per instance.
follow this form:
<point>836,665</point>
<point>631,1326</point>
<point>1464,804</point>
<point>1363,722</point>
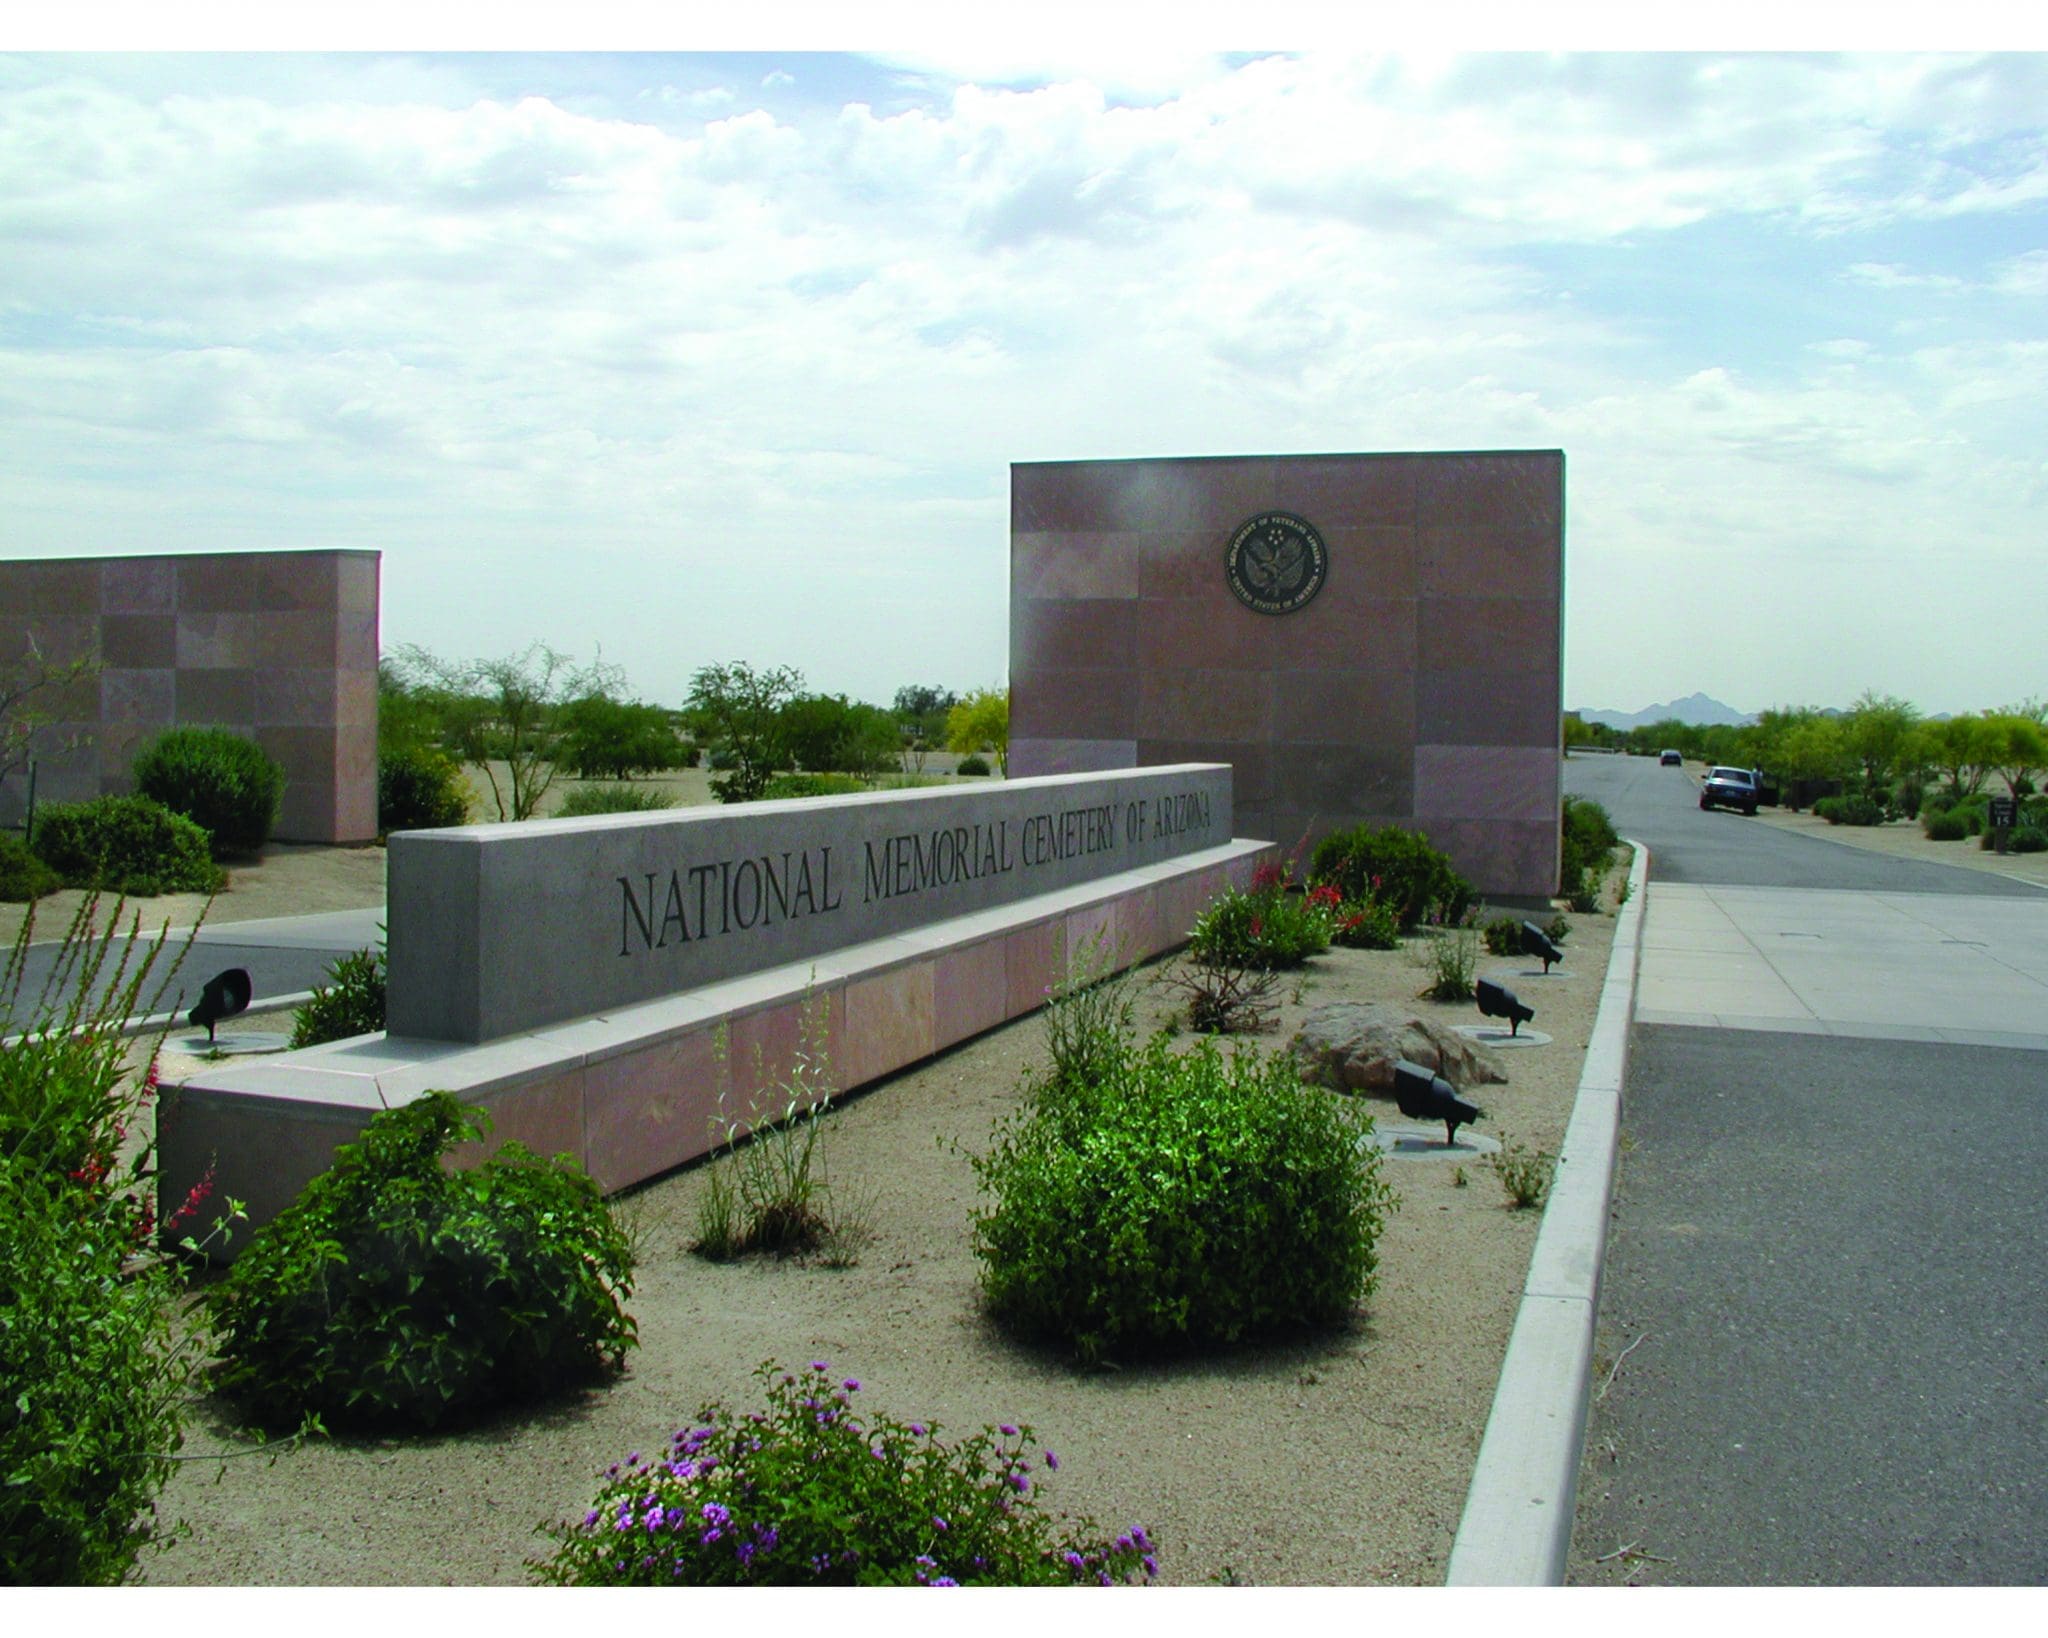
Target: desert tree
<point>2018,747</point>
<point>1878,730</point>
<point>981,722</point>
<point>740,708</point>
<point>502,712</point>
<point>1960,749</point>
<point>30,686</point>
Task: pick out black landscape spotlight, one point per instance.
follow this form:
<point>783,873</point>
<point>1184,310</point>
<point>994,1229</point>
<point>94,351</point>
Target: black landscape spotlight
<point>225,995</point>
<point>1538,943</point>
<point>1422,1094</point>
<point>1497,1001</point>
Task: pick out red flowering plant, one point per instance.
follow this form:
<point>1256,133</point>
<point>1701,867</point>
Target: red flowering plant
<point>97,1373</point>
<point>1270,925</point>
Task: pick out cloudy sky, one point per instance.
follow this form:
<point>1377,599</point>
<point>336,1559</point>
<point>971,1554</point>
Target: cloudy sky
<point>723,355</point>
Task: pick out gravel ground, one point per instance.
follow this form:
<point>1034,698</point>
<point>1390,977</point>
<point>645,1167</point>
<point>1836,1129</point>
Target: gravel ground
<point>1338,1458</point>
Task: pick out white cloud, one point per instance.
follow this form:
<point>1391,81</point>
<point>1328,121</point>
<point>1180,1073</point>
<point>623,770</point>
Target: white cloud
<point>693,381</point>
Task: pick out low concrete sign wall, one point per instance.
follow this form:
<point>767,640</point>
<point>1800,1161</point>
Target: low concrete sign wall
<point>498,929</point>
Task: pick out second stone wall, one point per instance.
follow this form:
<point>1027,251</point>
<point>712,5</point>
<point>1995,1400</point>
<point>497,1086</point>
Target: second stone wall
<point>278,646</point>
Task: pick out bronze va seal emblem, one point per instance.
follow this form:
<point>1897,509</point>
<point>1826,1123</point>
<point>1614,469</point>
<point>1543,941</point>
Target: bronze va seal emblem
<point>1276,562</point>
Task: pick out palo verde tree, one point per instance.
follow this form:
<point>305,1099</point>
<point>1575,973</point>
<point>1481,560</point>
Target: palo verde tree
<point>34,688</point>
<point>606,738</point>
<point>739,708</point>
<point>1878,730</point>
<point>1960,749</point>
<point>499,714</point>
<point>981,722</point>
<point>2018,746</point>
<point>828,733</point>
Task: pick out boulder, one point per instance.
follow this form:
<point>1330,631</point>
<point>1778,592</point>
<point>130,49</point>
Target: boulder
<point>1353,1046</point>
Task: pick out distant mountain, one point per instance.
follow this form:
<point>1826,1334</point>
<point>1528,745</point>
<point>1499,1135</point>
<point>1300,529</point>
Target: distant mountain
<point>1700,710</point>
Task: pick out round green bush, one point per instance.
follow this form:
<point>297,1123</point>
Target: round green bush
<point>2027,839</point>
<point>1503,936</point>
<point>351,1004</point>
<point>973,763</point>
<point>126,844</point>
<point>227,785</point>
<point>1587,840</point>
<point>24,878</point>
<point>419,788</point>
<point>586,800</point>
<point>1396,866</point>
<point>1942,825</point>
<point>1976,809</point>
<point>395,1292</point>
<point>1849,810</point>
<point>1179,1200</point>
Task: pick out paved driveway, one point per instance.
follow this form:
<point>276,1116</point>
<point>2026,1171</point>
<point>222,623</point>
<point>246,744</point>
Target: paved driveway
<point>1825,1303</point>
<point>284,955</point>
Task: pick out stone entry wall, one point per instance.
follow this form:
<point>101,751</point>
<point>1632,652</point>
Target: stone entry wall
<point>280,646</point>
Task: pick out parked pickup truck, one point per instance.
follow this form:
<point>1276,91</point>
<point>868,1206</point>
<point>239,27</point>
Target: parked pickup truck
<point>1729,788</point>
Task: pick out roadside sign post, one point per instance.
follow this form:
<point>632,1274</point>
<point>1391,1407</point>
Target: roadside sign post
<point>2003,811</point>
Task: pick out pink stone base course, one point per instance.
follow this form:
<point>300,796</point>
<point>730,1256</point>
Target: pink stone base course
<point>640,1091</point>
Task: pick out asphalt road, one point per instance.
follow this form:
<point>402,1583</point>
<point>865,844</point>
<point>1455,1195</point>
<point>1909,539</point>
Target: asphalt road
<point>1659,806</point>
<point>283,956</point>
<point>1824,1303</point>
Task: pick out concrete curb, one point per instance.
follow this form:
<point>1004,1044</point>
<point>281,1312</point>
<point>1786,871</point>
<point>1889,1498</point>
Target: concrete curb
<point>1517,1525</point>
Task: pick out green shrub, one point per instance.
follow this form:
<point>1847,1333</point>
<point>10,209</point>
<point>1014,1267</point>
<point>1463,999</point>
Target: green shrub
<point>419,788</point>
<point>351,1004</point>
<point>1367,926</point>
<point>1450,957</point>
<point>768,1190</point>
<point>1396,866</point>
<point>395,1292</point>
<point>127,844</point>
<point>1557,930</point>
<point>809,1492</point>
<point>1587,840</point>
<point>1089,1013</point>
<point>785,785</point>
<point>586,800</point>
<point>1906,799</point>
<point>1182,1200</point>
<point>87,1354</point>
<point>95,1383</point>
<point>1504,936</point>
<point>1265,929</point>
<point>24,878</point>
<point>2027,839</point>
<point>227,785</point>
<point>1849,810</point>
<point>1524,1173</point>
<point>1944,825</point>
<point>973,763</point>
<point>1977,809</point>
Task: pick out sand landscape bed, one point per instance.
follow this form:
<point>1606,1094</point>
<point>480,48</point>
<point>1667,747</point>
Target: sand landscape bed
<point>1332,1458</point>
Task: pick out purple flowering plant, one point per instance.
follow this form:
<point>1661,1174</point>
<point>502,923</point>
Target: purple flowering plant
<point>811,1492</point>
